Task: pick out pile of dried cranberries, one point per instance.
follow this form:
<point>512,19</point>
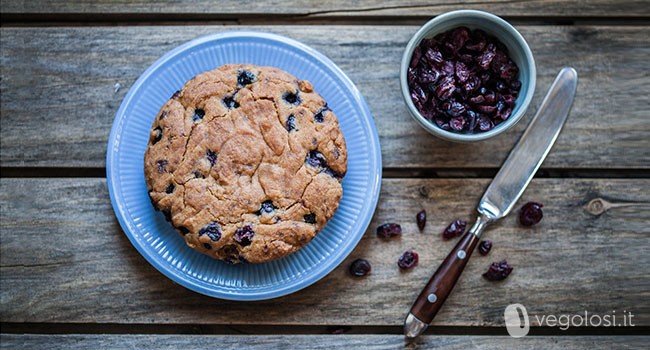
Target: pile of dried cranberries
<point>463,80</point>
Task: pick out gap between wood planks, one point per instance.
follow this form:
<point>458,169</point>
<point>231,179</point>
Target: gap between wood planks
<point>171,19</point>
<point>112,328</point>
<point>387,173</point>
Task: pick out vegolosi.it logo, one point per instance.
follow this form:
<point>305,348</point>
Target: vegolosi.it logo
<point>518,322</point>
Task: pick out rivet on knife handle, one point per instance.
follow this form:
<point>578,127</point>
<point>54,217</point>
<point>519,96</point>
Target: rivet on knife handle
<point>435,293</point>
<point>499,198</point>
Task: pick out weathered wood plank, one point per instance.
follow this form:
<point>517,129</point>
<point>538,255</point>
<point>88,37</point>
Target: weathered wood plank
<point>279,342</point>
<point>310,8</point>
<point>63,258</point>
<point>59,97</point>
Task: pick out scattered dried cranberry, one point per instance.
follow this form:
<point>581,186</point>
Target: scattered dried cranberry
<point>455,229</point>
<point>485,246</point>
<point>463,80</point>
<point>360,267</point>
<point>531,213</point>
<point>421,218</point>
<point>389,230</point>
<point>498,271</point>
<point>408,260</point>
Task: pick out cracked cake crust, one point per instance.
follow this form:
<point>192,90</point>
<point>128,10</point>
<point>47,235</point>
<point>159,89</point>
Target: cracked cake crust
<point>246,162</point>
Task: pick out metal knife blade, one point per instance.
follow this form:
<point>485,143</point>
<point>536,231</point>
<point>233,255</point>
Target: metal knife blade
<point>508,185</point>
<point>534,145</point>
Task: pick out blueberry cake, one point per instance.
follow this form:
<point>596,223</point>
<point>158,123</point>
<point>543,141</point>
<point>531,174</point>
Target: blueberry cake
<point>246,162</point>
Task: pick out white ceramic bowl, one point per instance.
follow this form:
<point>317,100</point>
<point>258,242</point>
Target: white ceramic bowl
<point>518,51</point>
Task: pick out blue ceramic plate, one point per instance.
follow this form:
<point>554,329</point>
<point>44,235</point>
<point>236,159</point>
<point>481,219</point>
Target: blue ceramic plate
<point>163,247</point>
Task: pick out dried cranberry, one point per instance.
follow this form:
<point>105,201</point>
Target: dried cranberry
<point>531,213</point>
<point>418,96</point>
<point>316,159</point>
<point>490,97</point>
<point>427,76</point>
<point>487,56</point>
<point>485,246</point>
<point>360,267</point>
<point>477,99</point>
<point>455,109</point>
<point>434,57</point>
<point>498,271</point>
<point>505,113</point>
<point>442,124</point>
<point>310,218</point>
<point>266,207</point>
<point>291,122</point>
<point>484,123</point>
<point>161,165</point>
<point>244,78</point>
<point>212,157</point>
<point>472,84</point>
<point>455,229</point>
<point>389,230</point>
<point>487,109</point>
<point>421,219</point>
<point>244,235</point>
<point>448,68</point>
<point>457,123</point>
<point>291,98</point>
<point>508,100</point>
<point>212,230</point>
<point>229,101</point>
<point>459,36</point>
<point>198,115</point>
<point>462,72</point>
<point>446,88</point>
<point>408,260</point>
<point>319,117</point>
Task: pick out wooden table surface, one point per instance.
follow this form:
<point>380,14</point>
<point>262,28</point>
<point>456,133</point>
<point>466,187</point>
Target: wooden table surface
<point>70,278</point>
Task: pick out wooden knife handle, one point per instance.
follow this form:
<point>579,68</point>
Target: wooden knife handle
<point>439,287</point>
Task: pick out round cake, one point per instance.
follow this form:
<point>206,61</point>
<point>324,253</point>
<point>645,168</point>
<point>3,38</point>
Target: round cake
<point>246,162</point>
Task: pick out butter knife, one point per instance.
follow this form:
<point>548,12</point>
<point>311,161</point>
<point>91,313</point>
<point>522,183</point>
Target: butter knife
<point>499,198</point>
